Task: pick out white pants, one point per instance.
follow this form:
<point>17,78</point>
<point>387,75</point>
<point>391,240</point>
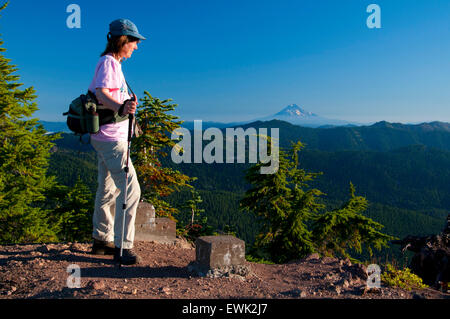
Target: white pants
<point>108,213</point>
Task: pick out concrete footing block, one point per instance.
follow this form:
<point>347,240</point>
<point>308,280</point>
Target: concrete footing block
<point>150,228</point>
<point>218,256</point>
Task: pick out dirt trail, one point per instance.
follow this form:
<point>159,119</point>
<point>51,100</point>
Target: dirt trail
<point>40,271</point>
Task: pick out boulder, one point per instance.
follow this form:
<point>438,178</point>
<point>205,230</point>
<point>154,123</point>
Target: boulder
<point>431,260</point>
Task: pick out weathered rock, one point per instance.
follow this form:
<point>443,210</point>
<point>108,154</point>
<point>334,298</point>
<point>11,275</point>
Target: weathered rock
<point>96,285</point>
<point>372,290</point>
<point>296,293</point>
<point>345,262</point>
<point>329,260</point>
<point>333,288</point>
<point>313,256</point>
<point>330,277</point>
<point>14,263</point>
<point>165,290</point>
<point>338,290</point>
<point>357,271</point>
<point>183,244</point>
<point>431,261</point>
<point>80,247</point>
<point>228,271</point>
<point>344,283</point>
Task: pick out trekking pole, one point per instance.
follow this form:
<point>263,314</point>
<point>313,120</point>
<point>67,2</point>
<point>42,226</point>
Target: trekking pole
<point>126,169</point>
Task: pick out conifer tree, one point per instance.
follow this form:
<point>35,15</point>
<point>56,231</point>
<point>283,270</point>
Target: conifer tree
<point>293,222</point>
<point>72,209</point>
<point>24,154</point>
<point>284,206</point>
<point>192,205</point>
<point>195,227</point>
<point>157,182</point>
<point>342,230</point>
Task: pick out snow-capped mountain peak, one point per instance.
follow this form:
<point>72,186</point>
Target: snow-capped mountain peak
<point>294,114</point>
<point>295,111</point>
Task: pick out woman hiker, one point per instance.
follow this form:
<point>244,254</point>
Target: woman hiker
<point>111,144</point>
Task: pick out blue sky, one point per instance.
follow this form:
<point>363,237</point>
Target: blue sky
<point>239,60</point>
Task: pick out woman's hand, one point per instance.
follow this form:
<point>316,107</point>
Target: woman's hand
<point>130,107</point>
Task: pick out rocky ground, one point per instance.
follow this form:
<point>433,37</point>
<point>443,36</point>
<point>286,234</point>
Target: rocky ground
<point>40,272</point>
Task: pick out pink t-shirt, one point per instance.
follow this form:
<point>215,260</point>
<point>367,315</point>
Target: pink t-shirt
<point>109,75</point>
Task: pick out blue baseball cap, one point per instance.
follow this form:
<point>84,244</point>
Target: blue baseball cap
<point>124,27</point>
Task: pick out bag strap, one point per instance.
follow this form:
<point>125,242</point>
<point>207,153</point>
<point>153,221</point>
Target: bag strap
<point>129,88</point>
<point>102,107</point>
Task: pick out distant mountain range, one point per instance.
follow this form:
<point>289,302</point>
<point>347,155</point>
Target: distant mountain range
<point>381,136</point>
<point>292,114</point>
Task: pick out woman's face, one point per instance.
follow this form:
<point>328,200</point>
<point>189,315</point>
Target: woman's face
<point>127,49</point>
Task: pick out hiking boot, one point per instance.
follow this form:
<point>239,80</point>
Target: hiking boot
<point>102,247</point>
<point>129,257</point>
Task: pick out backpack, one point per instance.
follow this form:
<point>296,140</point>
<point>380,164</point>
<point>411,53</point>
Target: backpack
<point>82,117</point>
<point>86,114</point>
